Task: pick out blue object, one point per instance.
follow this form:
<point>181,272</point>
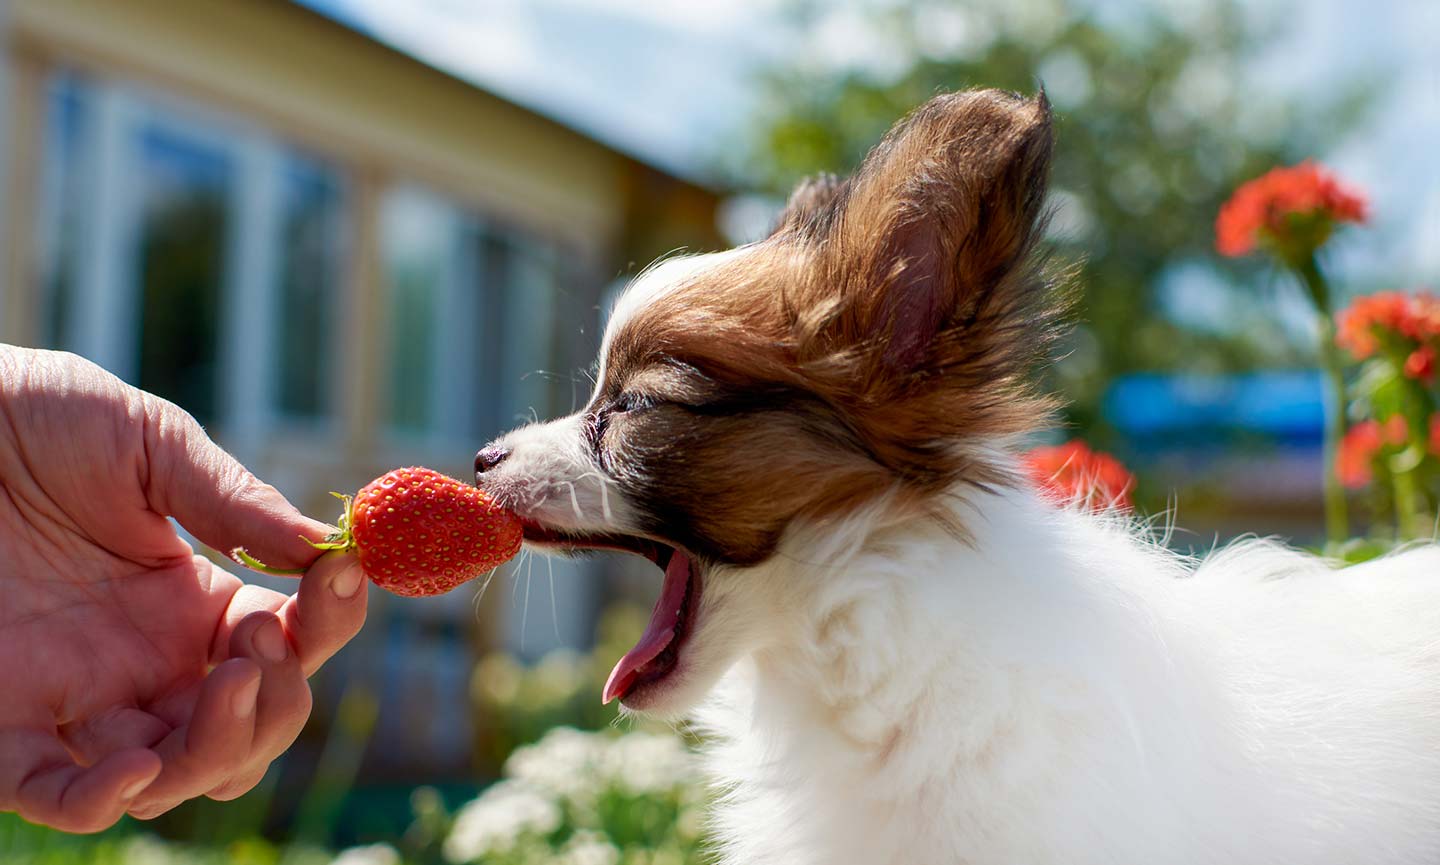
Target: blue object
<point>1286,407</point>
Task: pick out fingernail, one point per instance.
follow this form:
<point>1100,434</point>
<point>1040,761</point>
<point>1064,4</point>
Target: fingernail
<point>347,582</point>
<point>270,642</point>
<point>243,703</point>
<point>136,788</point>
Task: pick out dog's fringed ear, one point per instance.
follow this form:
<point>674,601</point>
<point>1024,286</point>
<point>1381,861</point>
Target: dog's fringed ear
<point>935,230</point>
<point>812,207</point>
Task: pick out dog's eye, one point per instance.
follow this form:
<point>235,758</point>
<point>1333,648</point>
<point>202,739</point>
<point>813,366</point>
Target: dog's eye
<point>627,402</point>
<point>630,401</point>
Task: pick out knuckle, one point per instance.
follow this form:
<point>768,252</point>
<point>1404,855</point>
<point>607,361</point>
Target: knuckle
<point>234,789</point>
<point>150,812</point>
<point>91,825</point>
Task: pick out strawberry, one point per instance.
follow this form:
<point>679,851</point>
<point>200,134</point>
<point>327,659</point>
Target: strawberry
<point>419,532</point>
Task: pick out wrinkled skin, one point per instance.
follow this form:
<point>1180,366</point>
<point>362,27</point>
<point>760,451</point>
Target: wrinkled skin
<point>136,675</point>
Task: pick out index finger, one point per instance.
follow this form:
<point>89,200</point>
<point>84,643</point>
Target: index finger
<point>328,610</point>
<point>216,498</point>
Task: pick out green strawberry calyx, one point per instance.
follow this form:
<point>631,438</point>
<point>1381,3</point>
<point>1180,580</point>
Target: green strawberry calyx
<point>341,539</point>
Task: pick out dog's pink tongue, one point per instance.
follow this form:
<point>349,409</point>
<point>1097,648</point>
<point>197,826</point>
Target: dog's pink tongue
<point>658,633</point>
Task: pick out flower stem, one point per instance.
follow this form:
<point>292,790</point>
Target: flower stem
<point>1403,472</point>
<point>1337,524</point>
<point>1405,466</point>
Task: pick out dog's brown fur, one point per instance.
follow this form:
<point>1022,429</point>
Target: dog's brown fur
<point>887,318</point>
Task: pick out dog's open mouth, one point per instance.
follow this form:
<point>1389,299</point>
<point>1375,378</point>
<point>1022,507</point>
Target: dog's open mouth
<point>657,653</point>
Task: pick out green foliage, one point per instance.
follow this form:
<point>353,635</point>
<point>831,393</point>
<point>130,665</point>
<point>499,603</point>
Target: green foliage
<point>24,844</point>
<point>516,705</point>
<point>1155,125</point>
<point>1404,493</point>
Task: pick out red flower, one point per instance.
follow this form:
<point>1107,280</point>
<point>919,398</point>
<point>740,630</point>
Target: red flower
<point>1354,461</point>
<point>1414,316</point>
<point>1420,365</point>
<point>1072,472</point>
<point>1269,207</point>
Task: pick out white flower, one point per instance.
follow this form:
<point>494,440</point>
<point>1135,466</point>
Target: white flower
<point>645,763</point>
<point>496,820</point>
<point>588,847</point>
<point>563,762</point>
<point>147,850</point>
<point>374,854</point>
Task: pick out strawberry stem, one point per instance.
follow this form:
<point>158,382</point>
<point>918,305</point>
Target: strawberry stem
<point>249,561</point>
<point>340,539</point>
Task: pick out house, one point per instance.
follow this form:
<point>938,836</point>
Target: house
<point>338,258</point>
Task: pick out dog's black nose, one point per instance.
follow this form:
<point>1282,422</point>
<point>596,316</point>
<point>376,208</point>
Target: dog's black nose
<point>488,458</point>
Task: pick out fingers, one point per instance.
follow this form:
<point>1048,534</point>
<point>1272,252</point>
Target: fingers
<point>246,601</point>
<point>217,499</point>
<point>328,610</point>
<point>216,751</point>
<point>40,781</point>
<point>323,616</point>
<point>216,740</point>
<point>102,735</point>
<point>283,703</point>
<point>266,645</point>
<point>239,785</point>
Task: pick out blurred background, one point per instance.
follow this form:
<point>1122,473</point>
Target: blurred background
<point>354,234</point>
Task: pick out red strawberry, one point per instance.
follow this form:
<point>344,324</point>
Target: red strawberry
<point>419,532</point>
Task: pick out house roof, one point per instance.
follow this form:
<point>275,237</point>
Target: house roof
<point>376,41</point>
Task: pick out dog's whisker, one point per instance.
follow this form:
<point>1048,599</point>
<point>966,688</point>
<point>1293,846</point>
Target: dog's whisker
<point>525,609</point>
<point>554,613</point>
<point>484,585</point>
<point>515,576</point>
<point>604,494</point>
<point>574,501</point>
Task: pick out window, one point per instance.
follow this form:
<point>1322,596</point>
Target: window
<point>471,321</point>
<point>63,188</point>
<point>506,299</point>
<point>520,275</point>
<point>419,266</point>
<point>185,214</point>
<point>308,285</point>
<point>189,253</point>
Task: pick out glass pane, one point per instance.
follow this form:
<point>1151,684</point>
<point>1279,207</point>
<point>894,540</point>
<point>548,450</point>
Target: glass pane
<point>308,282</point>
<point>512,325</point>
<point>530,367</point>
<point>417,260</point>
<point>64,185</point>
<point>185,188</point>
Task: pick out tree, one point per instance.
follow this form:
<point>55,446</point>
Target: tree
<point>1155,125</point>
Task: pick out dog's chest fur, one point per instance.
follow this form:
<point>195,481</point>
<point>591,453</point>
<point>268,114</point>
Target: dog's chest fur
<point>1059,690</point>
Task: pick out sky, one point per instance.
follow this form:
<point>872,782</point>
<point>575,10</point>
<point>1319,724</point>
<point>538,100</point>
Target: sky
<point>660,80</point>
<point>672,81</point>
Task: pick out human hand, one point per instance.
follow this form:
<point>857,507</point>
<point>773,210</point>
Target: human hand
<point>136,674</point>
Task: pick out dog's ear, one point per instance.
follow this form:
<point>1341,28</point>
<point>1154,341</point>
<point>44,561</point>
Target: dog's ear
<point>933,234</point>
<point>812,207</point>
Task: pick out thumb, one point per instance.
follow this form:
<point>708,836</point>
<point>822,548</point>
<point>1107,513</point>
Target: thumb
<point>215,498</point>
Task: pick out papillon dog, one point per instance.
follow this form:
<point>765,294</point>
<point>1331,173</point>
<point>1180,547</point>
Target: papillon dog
<point>901,651</point>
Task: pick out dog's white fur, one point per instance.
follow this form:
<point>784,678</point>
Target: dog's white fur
<point>1054,688</point>
<point>1060,689</point>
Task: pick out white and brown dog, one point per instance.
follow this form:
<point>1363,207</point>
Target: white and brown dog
<point>905,653</point>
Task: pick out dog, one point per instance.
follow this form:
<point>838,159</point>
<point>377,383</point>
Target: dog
<point>902,652</point>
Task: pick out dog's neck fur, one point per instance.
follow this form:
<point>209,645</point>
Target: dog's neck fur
<point>1030,694</point>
